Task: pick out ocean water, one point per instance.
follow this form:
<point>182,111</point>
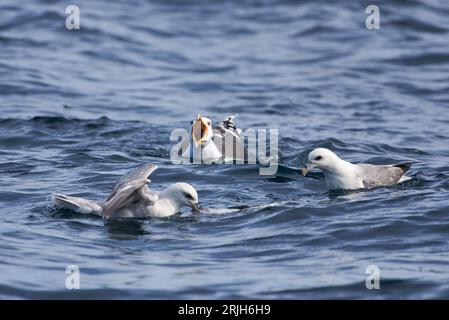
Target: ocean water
<point>81,107</point>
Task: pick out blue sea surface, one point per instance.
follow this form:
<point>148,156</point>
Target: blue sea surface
<point>79,108</point>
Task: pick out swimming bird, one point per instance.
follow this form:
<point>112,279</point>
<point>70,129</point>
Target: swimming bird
<point>341,174</point>
<point>202,138</point>
<point>210,143</point>
<point>131,198</point>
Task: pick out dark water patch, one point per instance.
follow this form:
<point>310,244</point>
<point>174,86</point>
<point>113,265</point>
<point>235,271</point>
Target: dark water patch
<point>421,59</point>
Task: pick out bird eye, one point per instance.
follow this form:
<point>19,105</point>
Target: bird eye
<point>318,158</point>
<point>188,196</point>
<point>208,123</point>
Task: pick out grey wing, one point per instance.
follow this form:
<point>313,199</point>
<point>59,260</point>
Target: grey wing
<point>140,173</point>
<point>129,187</point>
<point>381,175</point>
<point>221,135</point>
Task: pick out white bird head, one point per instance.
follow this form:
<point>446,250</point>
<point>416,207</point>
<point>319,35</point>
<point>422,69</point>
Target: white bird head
<point>184,195</point>
<point>320,158</point>
<point>202,131</point>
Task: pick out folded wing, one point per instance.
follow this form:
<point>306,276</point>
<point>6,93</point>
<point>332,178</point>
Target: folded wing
<point>227,132</point>
<point>376,176</point>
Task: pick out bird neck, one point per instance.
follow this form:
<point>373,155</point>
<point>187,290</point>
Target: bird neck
<point>341,168</point>
<point>344,166</point>
<point>208,150</point>
<point>342,175</point>
<point>169,201</point>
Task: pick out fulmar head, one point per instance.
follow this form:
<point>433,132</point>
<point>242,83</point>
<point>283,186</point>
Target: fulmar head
<point>320,158</point>
<point>183,195</point>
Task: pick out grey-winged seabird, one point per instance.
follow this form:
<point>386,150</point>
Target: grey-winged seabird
<point>341,174</point>
<point>131,198</point>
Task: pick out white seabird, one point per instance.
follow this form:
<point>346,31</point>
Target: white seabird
<point>341,174</point>
<point>202,138</point>
<point>131,198</point>
<point>209,143</point>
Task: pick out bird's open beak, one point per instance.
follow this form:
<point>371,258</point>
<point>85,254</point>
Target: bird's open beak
<point>199,130</point>
<point>196,207</point>
<point>305,170</point>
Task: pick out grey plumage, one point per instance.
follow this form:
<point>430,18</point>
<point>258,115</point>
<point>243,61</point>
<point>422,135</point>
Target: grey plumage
<point>76,204</point>
<point>382,175</point>
<point>341,174</point>
<point>131,198</point>
<point>128,188</point>
<point>224,135</point>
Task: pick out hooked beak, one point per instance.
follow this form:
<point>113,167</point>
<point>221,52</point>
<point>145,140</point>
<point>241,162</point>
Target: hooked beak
<point>305,170</point>
<point>195,207</point>
<point>199,130</point>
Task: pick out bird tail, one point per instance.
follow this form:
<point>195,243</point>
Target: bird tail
<point>76,204</point>
<point>404,179</point>
<point>404,166</point>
